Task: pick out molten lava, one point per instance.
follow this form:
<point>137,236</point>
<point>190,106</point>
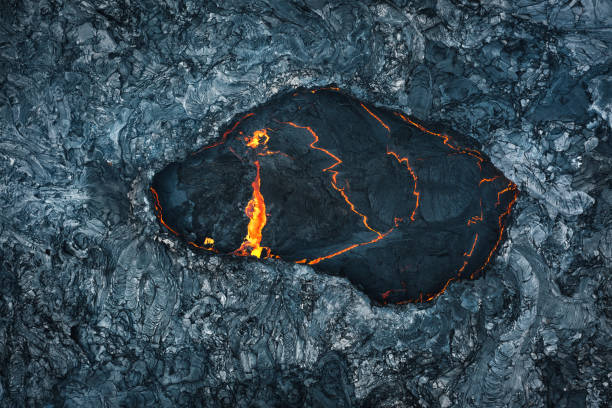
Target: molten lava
<point>383,124</point>
<point>267,143</point>
<point>256,211</point>
<point>414,177</point>
<point>159,212</point>
<point>334,181</point>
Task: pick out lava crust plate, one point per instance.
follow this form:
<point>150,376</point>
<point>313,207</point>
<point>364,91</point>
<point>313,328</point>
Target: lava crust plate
<point>318,177</point>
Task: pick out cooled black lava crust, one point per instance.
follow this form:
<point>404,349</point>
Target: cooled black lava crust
<point>318,177</point>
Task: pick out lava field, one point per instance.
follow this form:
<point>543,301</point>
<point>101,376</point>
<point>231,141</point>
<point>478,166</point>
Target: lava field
<point>355,191</point>
<point>305,203</point>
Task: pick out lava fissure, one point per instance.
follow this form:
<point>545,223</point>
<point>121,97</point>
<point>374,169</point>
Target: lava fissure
<point>327,88</point>
<point>488,180</point>
<point>445,140</point>
<point>473,220</point>
<point>512,187</point>
<point>378,238</point>
<point>414,177</point>
<point>477,218</point>
<point>334,174</point>
<point>469,254</point>
<point>334,184</point>
<point>377,118</point>
<point>158,211</point>
<point>225,134</point>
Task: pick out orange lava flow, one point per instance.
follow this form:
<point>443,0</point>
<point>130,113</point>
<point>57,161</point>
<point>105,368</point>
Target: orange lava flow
<point>328,88</point>
<point>376,117</point>
<point>342,192</point>
<point>158,211</point>
<point>469,254</point>
<point>445,139</point>
<point>208,242</point>
<point>488,180</point>
<point>207,248</point>
<point>225,134</point>
<point>414,177</point>
<point>378,238</point>
<point>259,137</point>
<point>511,187</point>
<point>476,218</point>
<point>334,183</point>
<point>256,211</point>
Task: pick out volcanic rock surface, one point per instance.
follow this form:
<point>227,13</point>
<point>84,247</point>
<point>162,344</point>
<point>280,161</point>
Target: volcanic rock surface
<point>102,307</point>
<point>318,177</point>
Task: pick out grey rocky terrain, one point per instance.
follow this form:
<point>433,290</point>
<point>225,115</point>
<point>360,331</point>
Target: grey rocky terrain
<point>100,307</point>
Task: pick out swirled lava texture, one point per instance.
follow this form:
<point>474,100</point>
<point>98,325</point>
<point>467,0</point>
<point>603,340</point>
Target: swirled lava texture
<point>318,177</point>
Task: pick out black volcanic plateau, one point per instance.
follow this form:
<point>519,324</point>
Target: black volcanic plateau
<point>320,178</point>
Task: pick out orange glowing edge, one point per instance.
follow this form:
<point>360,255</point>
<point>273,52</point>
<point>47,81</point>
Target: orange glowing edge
<point>431,296</point>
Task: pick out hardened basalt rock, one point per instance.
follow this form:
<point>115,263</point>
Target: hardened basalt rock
<point>100,307</point>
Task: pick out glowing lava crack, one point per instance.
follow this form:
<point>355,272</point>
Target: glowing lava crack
<point>318,177</point>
